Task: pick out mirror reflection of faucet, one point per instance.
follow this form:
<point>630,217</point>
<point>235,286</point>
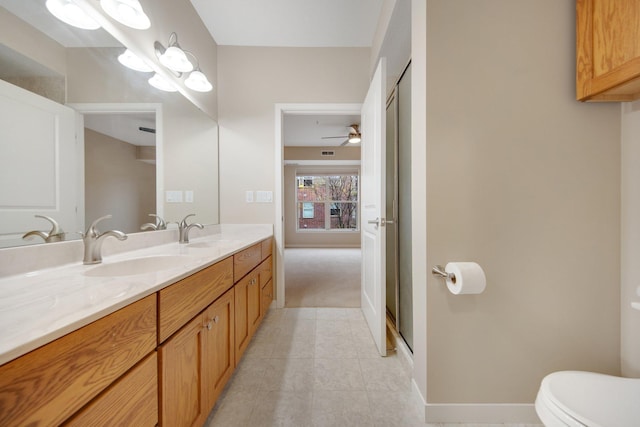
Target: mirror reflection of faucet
<point>93,240</point>
<point>184,228</point>
<point>159,224</point>
<point>55,235</point>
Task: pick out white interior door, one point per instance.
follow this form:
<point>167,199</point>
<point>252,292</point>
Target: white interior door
<point>38,167</point>
<point>372,202</point>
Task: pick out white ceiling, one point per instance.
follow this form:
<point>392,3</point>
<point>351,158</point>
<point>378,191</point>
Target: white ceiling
<point>300,23</point>
<point>124,126</point>
<point>305,130</point>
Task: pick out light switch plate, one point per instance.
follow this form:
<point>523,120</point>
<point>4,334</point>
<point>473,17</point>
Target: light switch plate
<point>188,196</point>
<point>249,197</point>
<point>264,196</point>
<point>174,196</point>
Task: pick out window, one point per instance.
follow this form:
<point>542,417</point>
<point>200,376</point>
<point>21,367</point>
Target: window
<point>327,202</point>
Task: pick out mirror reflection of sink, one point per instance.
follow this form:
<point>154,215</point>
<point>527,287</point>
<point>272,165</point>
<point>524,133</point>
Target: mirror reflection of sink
<point>142,265</point>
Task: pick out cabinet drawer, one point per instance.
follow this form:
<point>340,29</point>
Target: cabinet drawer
<point>48,385</point>
<point>180,302</point>
<point>267,247</point>
<point>246,260</point>
<point>130,401</point>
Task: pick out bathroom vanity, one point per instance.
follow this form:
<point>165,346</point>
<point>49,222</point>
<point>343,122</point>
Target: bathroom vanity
<point>148,337</point>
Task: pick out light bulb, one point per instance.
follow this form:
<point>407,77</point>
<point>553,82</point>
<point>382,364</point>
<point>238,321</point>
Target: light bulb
<point>70,13</point>
<point>198,81</point>
<point>175,59</point>
<point>133,61</point>
<point>127,12</point>
<point>162,83</point>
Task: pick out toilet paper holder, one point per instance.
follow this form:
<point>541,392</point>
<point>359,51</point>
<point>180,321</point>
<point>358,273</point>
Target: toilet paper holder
<point>439,270</point>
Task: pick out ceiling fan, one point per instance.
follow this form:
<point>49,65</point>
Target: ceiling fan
<point>353,137</point>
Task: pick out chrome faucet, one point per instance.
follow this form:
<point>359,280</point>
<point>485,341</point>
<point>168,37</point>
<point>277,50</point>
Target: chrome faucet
<point>184,228</point>
<point>93,241</point>
<point>160,224</point>
<point>55,235</point>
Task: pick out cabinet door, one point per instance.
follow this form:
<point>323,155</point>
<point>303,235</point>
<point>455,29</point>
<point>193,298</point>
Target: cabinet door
<point>608,50</point>
<point>131,401</point>
<point>48,385</point>
<point>219,346</point>
<point>266,296</point>
<point>181,383</point>
<point>247,311</point>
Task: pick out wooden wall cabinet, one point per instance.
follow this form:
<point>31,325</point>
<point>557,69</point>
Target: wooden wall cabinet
<point>607,50</point>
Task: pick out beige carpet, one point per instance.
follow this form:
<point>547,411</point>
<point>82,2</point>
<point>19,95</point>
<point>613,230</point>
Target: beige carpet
<point>322,277</point>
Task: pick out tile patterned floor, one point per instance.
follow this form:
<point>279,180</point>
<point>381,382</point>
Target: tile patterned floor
<point>317,367</point>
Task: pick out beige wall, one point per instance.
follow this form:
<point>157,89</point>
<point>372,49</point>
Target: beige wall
<point>251,81</point>
<point>117,184</point>
<point>630,267</point>
<point>23,38</point>
<point>526,181</point>
<point>190,138</point>
<point>309,239</point>
<point>314,153</point>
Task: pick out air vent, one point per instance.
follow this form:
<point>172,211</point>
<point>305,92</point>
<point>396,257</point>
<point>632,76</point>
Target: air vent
<point>327,153</point>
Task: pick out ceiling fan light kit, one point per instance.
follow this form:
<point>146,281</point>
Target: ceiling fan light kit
<point>353,137</point>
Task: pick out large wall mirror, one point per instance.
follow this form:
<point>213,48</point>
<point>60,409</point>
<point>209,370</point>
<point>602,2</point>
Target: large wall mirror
<point>135,144</point>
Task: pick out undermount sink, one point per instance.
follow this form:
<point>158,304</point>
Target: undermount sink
<point>223,244</point>
<point>142,265</point>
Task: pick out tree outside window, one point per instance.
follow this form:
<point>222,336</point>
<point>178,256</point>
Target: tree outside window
<point>327,202</point>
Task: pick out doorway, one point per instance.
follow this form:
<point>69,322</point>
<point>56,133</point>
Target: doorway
<point>122,165</point>
<point>282,184</point>
<point>399,298</point>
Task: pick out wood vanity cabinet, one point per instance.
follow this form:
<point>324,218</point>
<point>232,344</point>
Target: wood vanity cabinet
<point>249,299</point>
<point>266,286</point>
<point>607,50</point>
<point>50,384</point>
<point>247,309</point>
<point>195,364</point>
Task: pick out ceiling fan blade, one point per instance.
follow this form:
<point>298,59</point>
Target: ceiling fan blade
<point>346,142</point>
<point>145,129</point>
<point>331,137</point>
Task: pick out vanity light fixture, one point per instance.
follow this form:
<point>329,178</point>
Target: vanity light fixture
<point>127,12</point>
<point>133,61</point>
<point>70,13</point>
<point>162,83</point>
<point>173,57</point>
<point>176,60</point>
<point>198,81</point>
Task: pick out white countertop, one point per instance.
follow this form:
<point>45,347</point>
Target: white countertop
<point>40,306</point>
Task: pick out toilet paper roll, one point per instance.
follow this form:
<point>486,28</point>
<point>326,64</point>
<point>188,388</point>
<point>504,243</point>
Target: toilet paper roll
<point>468,278</point>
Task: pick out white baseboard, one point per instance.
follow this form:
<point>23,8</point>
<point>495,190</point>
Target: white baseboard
<point>497,413</point>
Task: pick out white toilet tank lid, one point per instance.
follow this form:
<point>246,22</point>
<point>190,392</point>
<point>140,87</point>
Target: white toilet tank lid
<point>595,400</point>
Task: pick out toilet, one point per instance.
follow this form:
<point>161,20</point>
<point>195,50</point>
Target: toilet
<point>576,398</point>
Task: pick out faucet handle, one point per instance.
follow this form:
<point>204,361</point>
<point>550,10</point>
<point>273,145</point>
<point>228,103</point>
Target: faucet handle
<point>55,228</point>
<point>160,223</point>
<point>92,227</point>
<point>183,223</point>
